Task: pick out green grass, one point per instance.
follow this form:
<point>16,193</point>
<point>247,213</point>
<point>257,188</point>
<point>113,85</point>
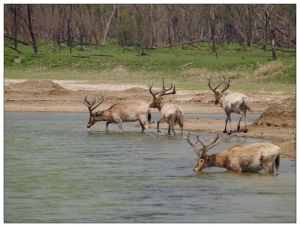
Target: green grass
<point>187,68</point>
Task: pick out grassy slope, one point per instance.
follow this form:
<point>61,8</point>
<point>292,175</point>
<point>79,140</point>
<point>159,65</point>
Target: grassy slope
<point>188,68</point>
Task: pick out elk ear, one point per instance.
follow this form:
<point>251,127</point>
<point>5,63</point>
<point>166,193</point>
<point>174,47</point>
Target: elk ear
<point>98,113</point>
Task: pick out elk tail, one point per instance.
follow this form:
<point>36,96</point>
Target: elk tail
<point>246,107</point>
<point>179,117</point>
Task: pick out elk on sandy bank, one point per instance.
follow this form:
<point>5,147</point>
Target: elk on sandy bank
<point>231,103</point>
<point>239,158</point>
<point>124,111</point>
<point>169,112</point>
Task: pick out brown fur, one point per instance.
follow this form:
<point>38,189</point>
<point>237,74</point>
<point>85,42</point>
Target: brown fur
<point>231,103</point>
<point>245,158</point>
<point>170,113</point>
<point>124,111</point>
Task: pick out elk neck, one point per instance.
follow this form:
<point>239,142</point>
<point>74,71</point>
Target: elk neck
<point>105,115</point>
<point>157,103</point>
<point>222,99</point>
<point>218,160</point>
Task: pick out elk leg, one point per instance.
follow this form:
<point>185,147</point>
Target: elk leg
<point>172,127</point>
<point>181,126</point>
<point>245,130</point>
<point>171,121</point>
<point>157,127</point>
<point>169,130</point>
<point>225,131</point>
<point>107,123</point>
<point>144,120</point>
<point>269,168</point>
<point>120,125</point>
<point>142,125</point>
<point>238,126</point>
<point>229,118</point>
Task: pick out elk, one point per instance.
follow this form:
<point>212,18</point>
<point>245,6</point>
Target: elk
<point>169,112</point>
<point>239,158</point>
<point>124,111</point>
<point>231,103</point>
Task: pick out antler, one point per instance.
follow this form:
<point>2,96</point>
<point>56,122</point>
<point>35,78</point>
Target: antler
<point>151,92</point>
<point>205,147</point>
<point>163,91</point>
<point>192,144</point>
<point>211,143</point>
<point>227,84</point>
<point>209,85</point>
<point>93,105</point>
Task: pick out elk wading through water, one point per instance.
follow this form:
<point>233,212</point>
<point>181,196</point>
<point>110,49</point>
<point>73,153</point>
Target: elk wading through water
<point>169,112</point>
<point>239,158</point>
<point>124,111</point>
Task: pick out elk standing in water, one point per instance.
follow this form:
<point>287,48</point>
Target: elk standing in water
<point>169,112</point>
<point>239,158</point>
<point>231,103</point>
<point>124,111</point>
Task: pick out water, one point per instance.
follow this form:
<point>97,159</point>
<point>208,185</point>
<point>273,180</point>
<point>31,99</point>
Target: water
<point>57,170</point>
<point>234,117</point>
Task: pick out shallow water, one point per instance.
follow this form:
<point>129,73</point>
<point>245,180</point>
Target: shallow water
<point>57,170</point>
<point>234,117</point>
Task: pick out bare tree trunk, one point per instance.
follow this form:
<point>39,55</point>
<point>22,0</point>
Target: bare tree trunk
<point>153,41</point>
<point>33,38</point>
<point>267,28</point>
<point>169,27</point>
<point>57,29</point>
<point>81,29</point>
<point>250,25</point>
<point>274,56</point>
<point>69,31</point>
<point>108,24</point>
<point>212,30</point>
<point>15,12</point>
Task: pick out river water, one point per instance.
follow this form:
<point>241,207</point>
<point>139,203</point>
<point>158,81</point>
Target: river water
<point>56,170</point>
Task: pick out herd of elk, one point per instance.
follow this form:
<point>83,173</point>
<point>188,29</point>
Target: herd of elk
<point>240,158</point>
<point>169,112</point>
<point>231,103</point>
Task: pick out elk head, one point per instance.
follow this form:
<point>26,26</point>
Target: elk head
<point>157,96</point>
<point>219,94</point>
<point>204,160</point>
<point>91,106</point>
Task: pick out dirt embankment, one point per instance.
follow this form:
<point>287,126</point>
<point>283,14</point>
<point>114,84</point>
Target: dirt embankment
<point>277,122</point>
<point>36,87</point>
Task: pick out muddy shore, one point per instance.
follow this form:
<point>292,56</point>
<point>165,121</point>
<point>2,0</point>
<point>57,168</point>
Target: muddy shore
<point>277,125</point>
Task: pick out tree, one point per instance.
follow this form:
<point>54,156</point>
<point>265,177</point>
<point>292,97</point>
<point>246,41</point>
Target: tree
<point>108,24</point>
<point>28,22</point>
<point>212,23</point>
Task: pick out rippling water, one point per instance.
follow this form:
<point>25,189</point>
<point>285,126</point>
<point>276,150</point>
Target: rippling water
<point>57,170</point>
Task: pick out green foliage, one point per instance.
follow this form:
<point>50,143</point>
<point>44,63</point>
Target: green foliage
<point>188,67</point>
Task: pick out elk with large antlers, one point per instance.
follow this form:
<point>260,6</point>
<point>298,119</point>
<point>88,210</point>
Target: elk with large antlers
<point>239,158</point>
<point>124,111</point>
<point>169,112</point>
<point>231,103</point>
